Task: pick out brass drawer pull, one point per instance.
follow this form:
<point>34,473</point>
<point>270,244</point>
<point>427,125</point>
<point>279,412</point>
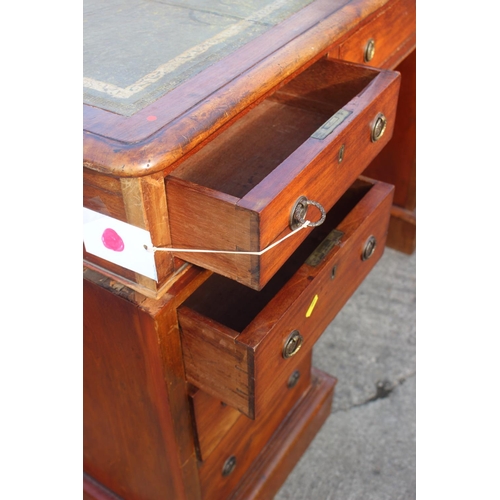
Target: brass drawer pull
<point>369,248</point>
<point>369,50</point>
<point>229,466</point>
<point>299,212</point>
<point>292,344</point>
<point>379,126</point>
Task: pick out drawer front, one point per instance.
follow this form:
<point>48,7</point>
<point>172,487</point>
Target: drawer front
<point>311,138</point>
<point>384,40</point>
<point>243,364</point>
<point>236,451</point>
<point>213,420</point>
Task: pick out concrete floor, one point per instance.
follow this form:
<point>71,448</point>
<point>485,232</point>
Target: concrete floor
<point>366,448</point>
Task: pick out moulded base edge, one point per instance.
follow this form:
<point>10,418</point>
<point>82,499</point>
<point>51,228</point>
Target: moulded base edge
<point>289,442</point>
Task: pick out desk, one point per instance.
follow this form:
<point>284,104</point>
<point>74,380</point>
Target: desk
<point>187,393</point>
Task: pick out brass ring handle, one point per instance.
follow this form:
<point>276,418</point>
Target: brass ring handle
<point>369,50</point>
<point>369,248</point>
<point>299,212</point>
<point>292,344</point>
<point>379,126</point>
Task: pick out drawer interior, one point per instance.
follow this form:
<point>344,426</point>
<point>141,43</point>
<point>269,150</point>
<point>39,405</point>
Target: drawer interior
<point>235,305</point>
<point>243,155</point>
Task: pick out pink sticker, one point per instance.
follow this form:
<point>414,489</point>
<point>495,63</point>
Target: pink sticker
<point>151,118</point>
<point>112,240</point>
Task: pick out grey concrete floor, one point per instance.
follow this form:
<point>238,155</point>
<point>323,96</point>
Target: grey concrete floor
<point>366,448</point>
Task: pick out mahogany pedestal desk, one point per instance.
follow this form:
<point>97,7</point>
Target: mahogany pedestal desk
<point>280,135</point>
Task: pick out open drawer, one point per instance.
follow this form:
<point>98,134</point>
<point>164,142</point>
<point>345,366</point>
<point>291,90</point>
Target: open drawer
<point>237,342</point>
<point>311,137</point>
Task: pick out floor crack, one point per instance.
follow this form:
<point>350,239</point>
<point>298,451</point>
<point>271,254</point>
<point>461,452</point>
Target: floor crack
<point>383,389</point>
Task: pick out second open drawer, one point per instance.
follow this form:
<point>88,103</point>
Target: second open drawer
<point>237,342</point>
<point>310,138</point>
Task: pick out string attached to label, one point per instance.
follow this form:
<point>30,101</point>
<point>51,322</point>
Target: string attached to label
<point>199,250</point>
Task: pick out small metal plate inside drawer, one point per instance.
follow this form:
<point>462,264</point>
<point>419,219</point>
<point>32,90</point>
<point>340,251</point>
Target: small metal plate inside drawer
<point>331,124</point>
<point>324,247</point>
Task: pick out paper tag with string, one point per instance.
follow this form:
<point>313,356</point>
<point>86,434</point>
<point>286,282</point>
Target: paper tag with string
<point>118,242</point>
<point>131,247</point>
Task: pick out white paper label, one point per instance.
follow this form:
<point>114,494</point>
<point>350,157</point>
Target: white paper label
<point>118,242</point>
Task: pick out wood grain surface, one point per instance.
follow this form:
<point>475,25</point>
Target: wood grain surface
<point>247,438</point>
<point>206,172</point>
<point>192,112</point>
<point>222,221</point>
<point>396,163</point>
<point>213,420</point>
<point>233,337</point>
<point>138,442</point>
<point>289,442</point>
<point>201,109</point>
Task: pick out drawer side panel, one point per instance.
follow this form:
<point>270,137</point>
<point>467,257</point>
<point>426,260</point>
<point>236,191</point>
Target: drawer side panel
<point>215,363</point>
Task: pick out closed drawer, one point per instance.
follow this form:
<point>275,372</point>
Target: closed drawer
<point>312,137</point>
<point>214,419</point>
<point>385,39</point>
<point>238,343</point>
<point>223,469</point>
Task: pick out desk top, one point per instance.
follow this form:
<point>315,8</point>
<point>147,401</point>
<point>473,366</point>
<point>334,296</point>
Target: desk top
<point>136,51</point>
<point>160,77</point>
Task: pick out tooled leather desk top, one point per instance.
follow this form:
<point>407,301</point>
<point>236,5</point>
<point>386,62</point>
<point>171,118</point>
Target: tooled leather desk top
<point>159,77</point>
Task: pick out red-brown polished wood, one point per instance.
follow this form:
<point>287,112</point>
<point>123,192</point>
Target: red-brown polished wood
<point>213,420</point>
<point>199,107</point>
<point>141,425</point>
<point>396,163</point>
<point>247,438</point>
<point>196,112</point>
<point>138,442</point>
<point>233,337</point>
<point>392,31</point>
<point>289,442</point>
<point>260,182</point>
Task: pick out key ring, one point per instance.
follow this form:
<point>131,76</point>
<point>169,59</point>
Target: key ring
<point>299,212</point>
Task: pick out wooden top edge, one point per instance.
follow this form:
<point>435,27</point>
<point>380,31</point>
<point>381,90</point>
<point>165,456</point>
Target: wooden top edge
<point>157,151</point>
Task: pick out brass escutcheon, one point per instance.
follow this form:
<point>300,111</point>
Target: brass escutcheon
<point>369,50</point>
<point>341,153</point>
<point>292,344</point>
<point>333,272</point>
<point>294,378</point>
<point>379,126</point>
<point>369,248</point>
